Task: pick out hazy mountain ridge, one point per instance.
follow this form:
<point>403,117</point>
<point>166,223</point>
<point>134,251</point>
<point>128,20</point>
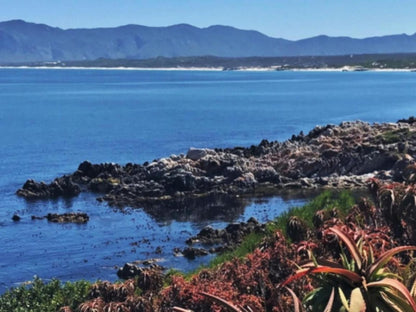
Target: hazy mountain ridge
<point>28,42</point>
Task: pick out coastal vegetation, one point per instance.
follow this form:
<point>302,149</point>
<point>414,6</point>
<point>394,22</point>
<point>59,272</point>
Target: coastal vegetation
<point>39,295</point>
<point>352,258</point>
<point>356,62</point>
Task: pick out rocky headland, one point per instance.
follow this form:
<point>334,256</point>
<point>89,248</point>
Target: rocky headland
<point>332,156</point>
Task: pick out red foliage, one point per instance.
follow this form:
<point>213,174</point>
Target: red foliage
<point>247,282</point>
<point>253,281</point>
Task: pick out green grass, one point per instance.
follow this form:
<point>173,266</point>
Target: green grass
<point>39,296</point>
<point>327,200</point>
<point>394,136</point>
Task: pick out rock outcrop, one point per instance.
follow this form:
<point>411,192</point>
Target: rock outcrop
<point>343,156</point>
<point>59,187</point>
<point>70,217</point>
<point>219,240</point>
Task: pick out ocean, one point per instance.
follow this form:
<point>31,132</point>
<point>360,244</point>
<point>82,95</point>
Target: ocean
<point>53,119</point>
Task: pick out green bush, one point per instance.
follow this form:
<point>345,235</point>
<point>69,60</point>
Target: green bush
<point>327,200</point>
<point>39,296</point>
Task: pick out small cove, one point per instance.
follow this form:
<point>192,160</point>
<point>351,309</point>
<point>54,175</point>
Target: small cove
<point>111,238</point>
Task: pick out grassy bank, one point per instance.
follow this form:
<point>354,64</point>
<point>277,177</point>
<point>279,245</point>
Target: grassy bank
<point>326,201</point>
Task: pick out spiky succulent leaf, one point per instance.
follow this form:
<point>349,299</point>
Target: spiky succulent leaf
<point>395,286</point>
<point>385,258</point>
<point>317,300</point>
<point>351,245</point>
<point>344,299</point>
<point>413,288</point>
<point>328,307</point>
<point>325,262</point>
<point>371,256</point>
<point>177,309</point>
<point>223,302</point>
<point>299,273</point>
<point>396,302</point>
<point>357,302</point>
<point>297,303</point>
<point>349,276</point>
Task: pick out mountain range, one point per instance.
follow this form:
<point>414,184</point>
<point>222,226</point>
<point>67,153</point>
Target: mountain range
<point>23,42</point>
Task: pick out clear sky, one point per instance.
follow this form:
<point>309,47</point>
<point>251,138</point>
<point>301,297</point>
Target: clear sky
<point>290,19</point>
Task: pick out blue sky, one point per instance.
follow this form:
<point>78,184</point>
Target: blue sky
<point>290,19</point>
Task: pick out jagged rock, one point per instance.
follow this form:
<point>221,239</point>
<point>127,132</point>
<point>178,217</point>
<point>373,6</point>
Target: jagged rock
<point>409,120</point>
<point>400,166</point>
<point>150,278</point>
<point>16,218</point>
<point>198,153</point>
<point>59,187</point>
<point>327,157</point>
<point>37,218</point>
<point>232,235</point>
<point>72,217</point>
<point>101,185</point>
<point>129,270</point>
<point>192,253</point>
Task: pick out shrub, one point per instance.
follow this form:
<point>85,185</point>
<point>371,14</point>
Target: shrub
<point>38,296</point>
<point>327,201</point>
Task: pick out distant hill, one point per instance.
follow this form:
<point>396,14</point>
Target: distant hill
<point>22,42</point>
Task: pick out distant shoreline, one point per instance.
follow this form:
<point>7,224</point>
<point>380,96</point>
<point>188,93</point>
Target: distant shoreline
<point>247,69</point>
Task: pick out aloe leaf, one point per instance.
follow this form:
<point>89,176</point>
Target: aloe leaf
<point>388,275</point>
<point>357,302</point>
<point>396,302</point>
<point>344,260</point>
<point>222,302</point>
<point>389,304</point>
<point>311,295</point>
<point>343,298</point>
<point>348,275</point>
<point>296,301</point>
<point>317,299</point>
<point>309,264</point>
<point>371,256</point>
<point>328,307</point>
<point>299,273</point>
<point>385,257</point>
<point>413,288</point>
<point>377,303</point>
<point>325,262</point>
<point>351,245</point>
<point>389,283</point>
<point>177,309</point>
<point>313,259</point>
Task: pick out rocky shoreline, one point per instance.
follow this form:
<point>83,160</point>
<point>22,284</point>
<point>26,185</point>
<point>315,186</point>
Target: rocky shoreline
<point>341,156</point>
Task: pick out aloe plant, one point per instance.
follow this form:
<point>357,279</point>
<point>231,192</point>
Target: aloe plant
<point>360,283</point>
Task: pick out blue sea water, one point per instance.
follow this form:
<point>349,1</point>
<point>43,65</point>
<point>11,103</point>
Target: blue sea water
<point>51,120</point>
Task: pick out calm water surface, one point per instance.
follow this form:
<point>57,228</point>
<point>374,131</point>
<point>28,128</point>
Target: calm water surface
<point>51,120</point>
